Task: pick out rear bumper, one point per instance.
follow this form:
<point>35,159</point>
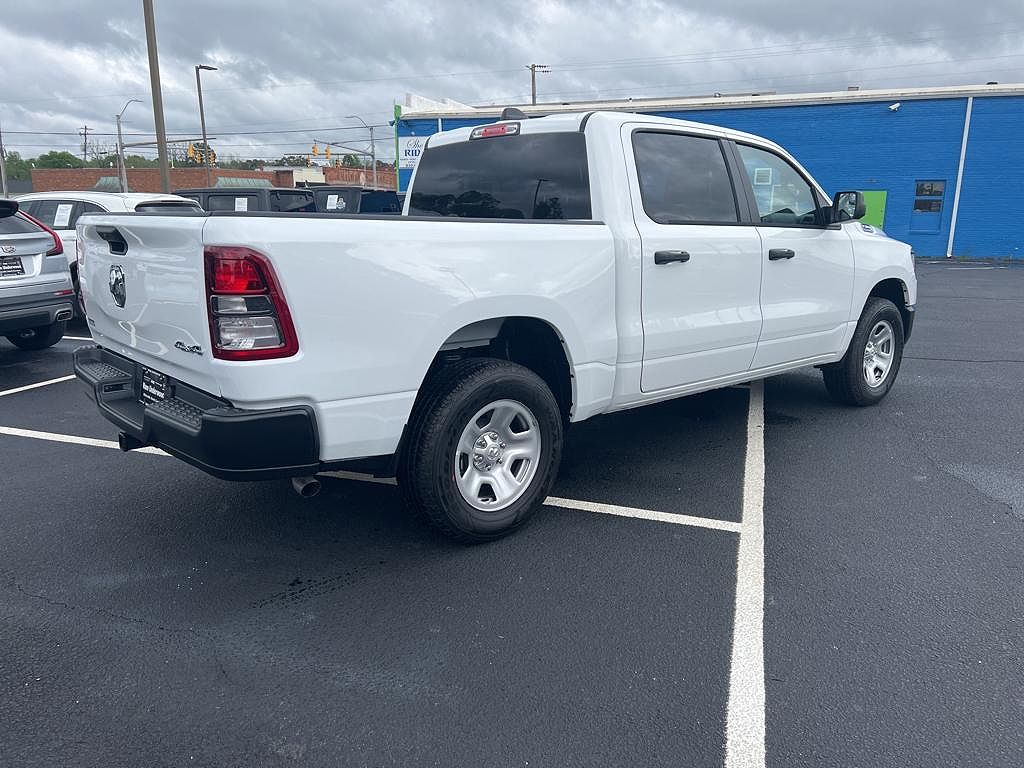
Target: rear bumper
<point>33,312</point>
<point>203,430</point>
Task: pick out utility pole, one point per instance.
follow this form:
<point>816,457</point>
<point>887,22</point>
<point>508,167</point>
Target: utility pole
<point>84,133</point>
<point>158,101</point>
<point>534,69</point>
<point>3,164</point>
<point>373,157</point>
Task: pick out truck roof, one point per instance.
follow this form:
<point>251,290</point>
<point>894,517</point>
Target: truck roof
<point>576,121</point>
<point>236,190</point>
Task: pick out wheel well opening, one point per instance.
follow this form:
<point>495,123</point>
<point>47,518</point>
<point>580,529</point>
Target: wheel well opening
<point>527,341</point>
<point>893,290</point>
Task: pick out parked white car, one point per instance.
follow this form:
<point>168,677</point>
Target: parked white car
<point>545,271</point>
<point>60,211</point>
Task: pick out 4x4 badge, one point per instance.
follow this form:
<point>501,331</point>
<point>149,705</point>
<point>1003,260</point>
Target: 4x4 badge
<point>117,288</point>
<point>192,349</point>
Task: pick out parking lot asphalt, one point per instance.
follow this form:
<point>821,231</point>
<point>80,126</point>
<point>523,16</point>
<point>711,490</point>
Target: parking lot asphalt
<point>151,615</point>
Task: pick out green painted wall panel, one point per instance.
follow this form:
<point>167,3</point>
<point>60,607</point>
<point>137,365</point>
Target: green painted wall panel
<point>875,203</point>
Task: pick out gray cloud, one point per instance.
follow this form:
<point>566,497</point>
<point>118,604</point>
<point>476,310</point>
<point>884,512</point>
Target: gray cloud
<point>303,68</point>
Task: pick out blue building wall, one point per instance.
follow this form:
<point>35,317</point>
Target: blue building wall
<point>988,222</point>
<point>867,146</point>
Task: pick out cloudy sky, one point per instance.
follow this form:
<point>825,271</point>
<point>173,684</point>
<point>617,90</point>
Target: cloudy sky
<point>292,72</point>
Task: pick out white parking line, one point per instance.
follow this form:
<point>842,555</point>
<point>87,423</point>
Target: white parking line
<point>73,439</point>
<point>77,338</point>
<point>745,720</point>
<point>643,514</point>
<point>551,501</point>
<point>27,387</point>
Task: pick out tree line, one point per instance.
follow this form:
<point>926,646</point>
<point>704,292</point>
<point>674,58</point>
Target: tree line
<point>20,169</point>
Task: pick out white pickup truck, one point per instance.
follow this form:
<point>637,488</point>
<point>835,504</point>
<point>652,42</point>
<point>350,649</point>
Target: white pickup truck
<point>545,271</point>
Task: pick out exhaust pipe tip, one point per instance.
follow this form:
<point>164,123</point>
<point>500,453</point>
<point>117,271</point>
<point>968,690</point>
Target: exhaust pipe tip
<point>306,487</point>
<point>64,314</point>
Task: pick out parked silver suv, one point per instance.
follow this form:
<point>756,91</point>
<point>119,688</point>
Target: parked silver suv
<point>36,294</point>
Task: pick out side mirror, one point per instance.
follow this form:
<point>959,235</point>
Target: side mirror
<point>848,206</point>
<point>8,208</point>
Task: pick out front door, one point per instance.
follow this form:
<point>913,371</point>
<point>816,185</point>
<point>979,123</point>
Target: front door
<point>701,267</point>
<point>807,277</point>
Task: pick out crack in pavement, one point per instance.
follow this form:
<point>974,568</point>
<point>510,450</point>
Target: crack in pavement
<point>13,582</point>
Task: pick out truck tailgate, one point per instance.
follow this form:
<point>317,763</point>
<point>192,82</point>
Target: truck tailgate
<point>144,284</point>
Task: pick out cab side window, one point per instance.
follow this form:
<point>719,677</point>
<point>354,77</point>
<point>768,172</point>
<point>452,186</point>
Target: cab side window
<point>684,179</point>
<point>783,195</point>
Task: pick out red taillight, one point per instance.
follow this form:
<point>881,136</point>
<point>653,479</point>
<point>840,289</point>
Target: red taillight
<point>58,246</point>
<point>236,276</point>
<point>249,319</point>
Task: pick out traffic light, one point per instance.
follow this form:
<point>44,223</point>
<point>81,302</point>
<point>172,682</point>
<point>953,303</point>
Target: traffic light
<point>327,152</point>
<point>316,149</point>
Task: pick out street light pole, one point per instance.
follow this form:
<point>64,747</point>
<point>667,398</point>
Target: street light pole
<point>158,100</point>
<point>202,118</point>
<point>373,146</point>
<point>123,172</point>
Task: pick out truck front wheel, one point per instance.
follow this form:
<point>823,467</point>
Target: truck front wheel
<point>482,450</point>
<point>868,370</point>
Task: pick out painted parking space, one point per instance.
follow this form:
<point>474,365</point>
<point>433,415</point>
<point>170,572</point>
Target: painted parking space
<point>889,587</point>
<point>344,616</point>
<point>163,497</point>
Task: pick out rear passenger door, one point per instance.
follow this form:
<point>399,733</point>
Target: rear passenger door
<point>807,283</point>
<point>700,262</point>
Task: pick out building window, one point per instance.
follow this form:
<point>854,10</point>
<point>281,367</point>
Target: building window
<point>924,205</point>
<point>928,196</point>
<point>931,188</point>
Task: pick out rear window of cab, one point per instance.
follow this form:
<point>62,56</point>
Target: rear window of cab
<point>531,176</point>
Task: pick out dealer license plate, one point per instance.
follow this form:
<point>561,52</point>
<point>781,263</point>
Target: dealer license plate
<point>11,266</point>
<point>154,386</point>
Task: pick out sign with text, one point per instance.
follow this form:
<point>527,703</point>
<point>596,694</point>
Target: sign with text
<point>409,150</point>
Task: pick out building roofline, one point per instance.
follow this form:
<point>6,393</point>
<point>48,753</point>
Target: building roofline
<point>449,109</point>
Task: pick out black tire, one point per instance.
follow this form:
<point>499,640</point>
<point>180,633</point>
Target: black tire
<point>446,406</point>
<point>38,338</point>
<point>846,380</point>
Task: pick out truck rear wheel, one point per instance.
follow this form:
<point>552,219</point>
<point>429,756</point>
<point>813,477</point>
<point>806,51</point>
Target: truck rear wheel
<point>38,338</point>
<point>868,369</point>
<point>482,450</point>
